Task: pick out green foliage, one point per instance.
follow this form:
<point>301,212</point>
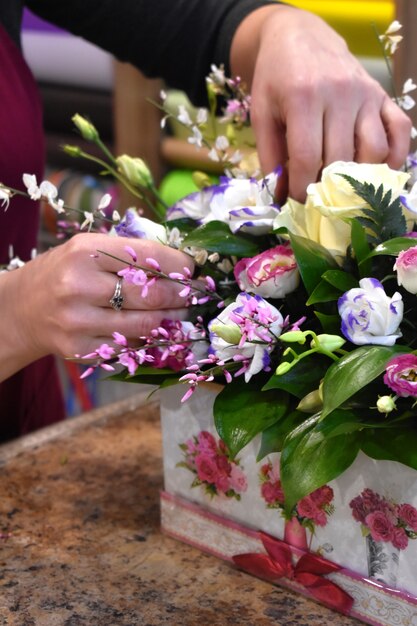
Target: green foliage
<point>217,237</point>
<point>241,411</point>
<point>317,452</point>
<point>313,261</point>
<point>383,218</point>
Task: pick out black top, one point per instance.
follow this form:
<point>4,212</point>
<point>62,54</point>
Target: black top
<point>177,40</point>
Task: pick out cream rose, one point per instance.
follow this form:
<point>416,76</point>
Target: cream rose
<point>307,221</point>
<point>333,196</point>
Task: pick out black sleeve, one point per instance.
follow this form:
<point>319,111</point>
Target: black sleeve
<point>177,40</point>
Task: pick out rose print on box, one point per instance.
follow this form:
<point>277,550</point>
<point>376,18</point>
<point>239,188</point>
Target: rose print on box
<point>209,459</point>
<point>311,511</point>
<point>387,527</point>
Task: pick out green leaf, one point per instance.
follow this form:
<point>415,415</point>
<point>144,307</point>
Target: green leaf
<point>304,377</point>
<point>329,323</point>
<point>392,247</point>
<point>353,372</point>
<point>313,261</point>
<point>360,247</point>
<point>316,453</point>
<point>343,281</point>
<point>217,237</point>
<point>393,444</point>
<point>146,375</point>
<point>273,438</point>
<point>241,411</point>
<point>323,293</point>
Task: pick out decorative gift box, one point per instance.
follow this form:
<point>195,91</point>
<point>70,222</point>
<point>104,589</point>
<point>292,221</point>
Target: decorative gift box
<point>234,507</point>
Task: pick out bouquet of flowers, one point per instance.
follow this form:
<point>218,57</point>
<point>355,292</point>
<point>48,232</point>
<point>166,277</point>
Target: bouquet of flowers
<point>311,511</point>
<point>214,469</point>
<point>385,520</point>
<point>305,313</point>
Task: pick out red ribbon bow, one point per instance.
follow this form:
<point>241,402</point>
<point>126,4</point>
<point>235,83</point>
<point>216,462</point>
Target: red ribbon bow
<point>308,572</point>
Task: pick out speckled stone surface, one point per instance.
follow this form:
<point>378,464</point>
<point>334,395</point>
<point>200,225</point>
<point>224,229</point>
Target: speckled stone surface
<point>80,542</point>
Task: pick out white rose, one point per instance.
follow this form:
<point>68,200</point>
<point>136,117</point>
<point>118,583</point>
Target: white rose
<point>306,221</point>
<point>334,195</point>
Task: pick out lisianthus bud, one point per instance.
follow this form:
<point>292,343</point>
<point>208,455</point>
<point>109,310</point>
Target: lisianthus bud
<point>294,336</point>
<point>87,129</point>
<point>311,403</point>
<point>201,180</point>
<point>228,332</point>
<point>330,343</point>
<point>283,368</point>
<point>74,151</point>
<point>135,170</point>
<point>385,404</point>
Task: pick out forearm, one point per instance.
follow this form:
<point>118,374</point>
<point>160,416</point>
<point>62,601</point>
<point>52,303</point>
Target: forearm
<point>17,348</point>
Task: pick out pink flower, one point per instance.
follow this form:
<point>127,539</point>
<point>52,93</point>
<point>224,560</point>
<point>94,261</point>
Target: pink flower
<point>271,274</point>
<point>308,509</point>
<point>206,443</point>
<point>408,514</point>
<point>238,480</point>
<point>380,526</point>
<point>272,493</point>
<point>406,267</point>
<point>206,468</point>
<point>322,496</point>
<point>399,539</point>
<point>401,375</point>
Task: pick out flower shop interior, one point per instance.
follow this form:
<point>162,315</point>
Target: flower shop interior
<point>97,522</point>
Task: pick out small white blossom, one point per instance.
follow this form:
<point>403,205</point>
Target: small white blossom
<point>116,216</point>
<point>183,116</point>
<point>222,143</point>
<point>406,102</point>
<point>89,220</point>
<point>104,202</point>
<point>389,39</point>
<point>213,155</point>
<point>5,195</point>
<point>31,184</point>
<point>408,86</point>
<point>197,138</point>
<point>202,115</point>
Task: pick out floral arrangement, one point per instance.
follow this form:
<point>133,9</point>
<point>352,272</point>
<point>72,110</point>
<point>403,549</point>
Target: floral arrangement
<point>385,520</point>
<point>213,466</point>
<point>305,313</point>
<point>311,511</point>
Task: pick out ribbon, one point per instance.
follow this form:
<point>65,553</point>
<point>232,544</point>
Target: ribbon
<point>308,572</point>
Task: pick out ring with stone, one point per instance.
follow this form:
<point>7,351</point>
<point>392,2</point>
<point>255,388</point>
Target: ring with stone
<point>117,299</point>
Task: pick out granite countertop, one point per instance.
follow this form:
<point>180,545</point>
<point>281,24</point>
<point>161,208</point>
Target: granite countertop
<point>80,542</point>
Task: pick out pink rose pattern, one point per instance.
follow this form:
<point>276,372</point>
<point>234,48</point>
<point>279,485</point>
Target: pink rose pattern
<point>384,520</point>
<point>313,510</point>
<point>214,469</point>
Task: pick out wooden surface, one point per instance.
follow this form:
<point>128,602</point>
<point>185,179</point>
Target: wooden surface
<point>80,542</point>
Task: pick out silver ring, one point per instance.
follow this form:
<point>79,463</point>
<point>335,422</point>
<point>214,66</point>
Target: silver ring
<point>117,299</point>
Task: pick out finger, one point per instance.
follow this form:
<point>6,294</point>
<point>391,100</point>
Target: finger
<point>339,135</point>
<point>270,135</point>
<point>398,128</point>
<point>169,259</point>
<point>163,294</point>
<point>370,136</point>
<point>133,325</point>
<point>305,146</point>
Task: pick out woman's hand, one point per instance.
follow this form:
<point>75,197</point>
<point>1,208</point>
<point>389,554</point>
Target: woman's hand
<point>59,303</point>
<point>312,101</point>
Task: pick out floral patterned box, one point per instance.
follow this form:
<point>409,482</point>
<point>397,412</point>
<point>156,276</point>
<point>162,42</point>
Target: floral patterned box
<point>363,524</point>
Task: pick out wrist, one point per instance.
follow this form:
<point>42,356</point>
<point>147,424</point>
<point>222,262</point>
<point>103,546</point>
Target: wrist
<point>247,40</point>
